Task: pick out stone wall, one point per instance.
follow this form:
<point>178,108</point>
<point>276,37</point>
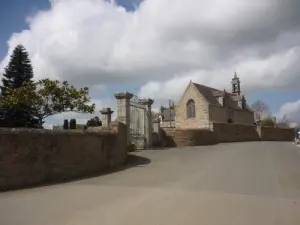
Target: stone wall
<point>221,133</point>
<point>275,134</point>
<point>222,115</point>
<point>217,114</point>
<point>233,132</point>
<point>167,124</point>
<point>31,157</point>
<point>189,137</point>
<point>243,117</point>
<point>202,113</point>
<point>156,134</point>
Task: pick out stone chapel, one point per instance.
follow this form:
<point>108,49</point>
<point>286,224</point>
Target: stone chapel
<point>201,105</point>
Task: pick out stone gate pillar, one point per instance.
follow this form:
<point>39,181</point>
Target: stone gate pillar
<point>123,110</point>
<point>148,121</point>
<point>106,116</point>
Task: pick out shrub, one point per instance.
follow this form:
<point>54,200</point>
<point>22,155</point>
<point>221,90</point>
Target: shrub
<point>268,122</point>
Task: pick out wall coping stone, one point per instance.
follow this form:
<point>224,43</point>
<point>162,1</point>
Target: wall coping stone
<point>147,102</point>
<point>53,132</point>
<point>107,111</point>
<point>123,95</point>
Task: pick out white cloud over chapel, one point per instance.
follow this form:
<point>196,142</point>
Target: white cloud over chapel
<point>165,43</point>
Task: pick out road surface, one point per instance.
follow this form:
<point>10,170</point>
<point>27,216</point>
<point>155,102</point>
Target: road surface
<point>227,184</point>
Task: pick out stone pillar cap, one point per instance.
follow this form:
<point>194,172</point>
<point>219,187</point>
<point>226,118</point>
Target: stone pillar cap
<point>106,111</point>
<point>123,95</point>
<point>148,101</point>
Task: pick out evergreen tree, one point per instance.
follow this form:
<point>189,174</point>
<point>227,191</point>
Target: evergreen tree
<point>94,122</point>
<point>18,72</point>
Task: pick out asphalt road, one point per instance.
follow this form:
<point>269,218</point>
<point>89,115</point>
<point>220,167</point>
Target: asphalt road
<point>234,184</point>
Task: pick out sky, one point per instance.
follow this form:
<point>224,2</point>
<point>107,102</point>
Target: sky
<point>153,48</point>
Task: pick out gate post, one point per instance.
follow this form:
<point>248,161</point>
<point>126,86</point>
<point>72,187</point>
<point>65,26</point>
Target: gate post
<point>148,121</point>
<point>123,111</point>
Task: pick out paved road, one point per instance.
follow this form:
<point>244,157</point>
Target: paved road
<point>228,184</point>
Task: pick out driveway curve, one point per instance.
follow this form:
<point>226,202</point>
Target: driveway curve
<point>255,183</point>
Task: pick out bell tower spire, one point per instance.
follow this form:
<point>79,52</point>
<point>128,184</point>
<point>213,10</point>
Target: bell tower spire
<point>236,84</point>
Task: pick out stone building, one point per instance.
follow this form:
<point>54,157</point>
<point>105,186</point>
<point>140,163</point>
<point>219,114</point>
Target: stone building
<point>200,105</point>
<point>166,117</point>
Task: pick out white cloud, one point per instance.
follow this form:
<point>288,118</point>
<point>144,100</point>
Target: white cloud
<point>48,126</point>
<point>164,44</point>
<point>291,110</point>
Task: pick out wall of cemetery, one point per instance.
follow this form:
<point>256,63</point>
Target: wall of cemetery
<point>221,133</point>
<point>31,157</point>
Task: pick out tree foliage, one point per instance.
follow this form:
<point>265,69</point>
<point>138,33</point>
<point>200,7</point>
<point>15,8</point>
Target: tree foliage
<point>267,122</point>
<point>94,122</point>
<point>49,97</point>
<point>261,110</point>
<point>18,72</point>
<point>284,122</point>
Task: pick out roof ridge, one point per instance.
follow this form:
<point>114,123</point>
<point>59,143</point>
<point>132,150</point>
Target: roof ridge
<point>206,86</point>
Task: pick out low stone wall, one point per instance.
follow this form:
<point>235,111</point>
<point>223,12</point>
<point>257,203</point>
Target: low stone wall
<point>275,134</point>
<point>223,132</point>
<point>188,137</point>
<point>31,156</point>
<point>194,137</point>
<point>167,124</point>
<point>226,132</point>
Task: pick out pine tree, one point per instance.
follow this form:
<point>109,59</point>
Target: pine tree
<point>18,71</point>
<point>94,122</point>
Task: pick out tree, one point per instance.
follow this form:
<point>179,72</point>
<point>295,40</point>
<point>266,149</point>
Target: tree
<point>49,97</point>
<point>283,122</point>
<point>94,122</point>
<point>18,72</point>
<point>73,124</point>
<point>267,122</point>
<point>261,110</point>
<point>284,119</point>
<point>66,125</point>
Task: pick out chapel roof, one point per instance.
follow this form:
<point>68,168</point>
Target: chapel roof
<point>211,94</point>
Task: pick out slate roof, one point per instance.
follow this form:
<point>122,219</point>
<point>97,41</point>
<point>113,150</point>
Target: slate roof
<point>211,94</point>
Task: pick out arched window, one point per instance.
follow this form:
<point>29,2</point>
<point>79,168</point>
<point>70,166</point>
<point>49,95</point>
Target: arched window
<point>190,109</point>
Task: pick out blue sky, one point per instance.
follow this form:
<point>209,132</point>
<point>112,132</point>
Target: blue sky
<point>13,14</point>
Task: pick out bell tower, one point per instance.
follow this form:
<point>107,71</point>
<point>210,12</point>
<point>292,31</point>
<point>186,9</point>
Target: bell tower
<point>236,85</point>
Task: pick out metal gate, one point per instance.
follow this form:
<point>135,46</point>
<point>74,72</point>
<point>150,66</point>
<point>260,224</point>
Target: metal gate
<point>137,123</point>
